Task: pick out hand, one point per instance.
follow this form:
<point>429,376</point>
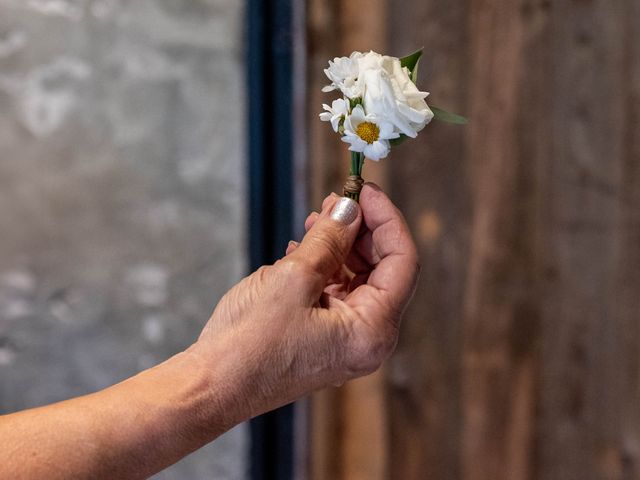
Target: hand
<point>327,312</point>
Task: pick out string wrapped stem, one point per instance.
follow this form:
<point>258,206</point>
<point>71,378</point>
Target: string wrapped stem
<point>353,185</point>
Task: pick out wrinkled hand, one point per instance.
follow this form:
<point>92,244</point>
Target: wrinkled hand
<point>327,312</point>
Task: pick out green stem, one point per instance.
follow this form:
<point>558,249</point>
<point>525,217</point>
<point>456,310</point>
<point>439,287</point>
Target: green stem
<point>357,161</point>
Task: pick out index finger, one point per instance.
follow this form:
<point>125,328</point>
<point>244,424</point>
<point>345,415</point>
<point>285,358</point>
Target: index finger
<point>392,282</point>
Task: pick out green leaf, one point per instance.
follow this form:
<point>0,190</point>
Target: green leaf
<point>411,61</point>
<point>447,117</point>
<point>414,73</point>
<point>354,101</point>
<point>394,142</point>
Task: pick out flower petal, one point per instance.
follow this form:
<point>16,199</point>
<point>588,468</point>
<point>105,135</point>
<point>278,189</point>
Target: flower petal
<point>413,115</point>
<point>358,115</point>
<point>387,131</point>
<point>377,150</point>
<point>357,144</point>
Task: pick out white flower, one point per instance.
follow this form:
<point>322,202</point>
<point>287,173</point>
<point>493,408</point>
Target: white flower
<point>387,102</point>
<point>411,101</point>
<point>368,134</point>
<point>338,110</point>
<point>343,73</point>
<point>389,93</point>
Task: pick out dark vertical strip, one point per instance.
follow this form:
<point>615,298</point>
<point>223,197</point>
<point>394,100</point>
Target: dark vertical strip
<point>270,114</point>
<point>257,119</point>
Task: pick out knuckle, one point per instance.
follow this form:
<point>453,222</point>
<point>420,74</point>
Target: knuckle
<point>292,267</point>
<point>381,347</point>
<point>310,221</point>
<point>328,200</point>
<point>393,308</point>
<point>263,273</point>
<point>261,279</point>
<point>331,245</point>
<point>372,349</point>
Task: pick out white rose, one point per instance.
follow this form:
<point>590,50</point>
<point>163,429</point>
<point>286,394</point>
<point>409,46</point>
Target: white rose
<point>389,93</point>
<point>412,102</point>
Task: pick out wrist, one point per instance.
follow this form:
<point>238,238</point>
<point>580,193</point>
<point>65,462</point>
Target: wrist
<point>217,400</point>
<point>155,418</point>
<point>245,382</point>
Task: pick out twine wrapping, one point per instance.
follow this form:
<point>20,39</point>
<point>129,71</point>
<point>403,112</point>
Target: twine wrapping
<point>353,187</point>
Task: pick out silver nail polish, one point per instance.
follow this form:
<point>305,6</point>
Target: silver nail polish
<point>345,211</point>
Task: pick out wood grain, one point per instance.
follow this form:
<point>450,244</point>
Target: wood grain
<point>349,424</point>
<point>519,358</point>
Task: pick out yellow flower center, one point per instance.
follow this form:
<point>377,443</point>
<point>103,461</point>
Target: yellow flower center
<point>369,132</point>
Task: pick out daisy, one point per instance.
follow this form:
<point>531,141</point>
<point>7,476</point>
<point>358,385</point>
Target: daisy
<point>343,73</point>
<point>368,134</point>
<point>335,113</point>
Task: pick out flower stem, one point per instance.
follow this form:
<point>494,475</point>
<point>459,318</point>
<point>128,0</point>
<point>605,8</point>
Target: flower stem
<point>354,183</point>
<point>357,162</point>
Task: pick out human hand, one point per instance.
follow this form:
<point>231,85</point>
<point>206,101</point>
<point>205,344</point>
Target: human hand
<point>327,312</point>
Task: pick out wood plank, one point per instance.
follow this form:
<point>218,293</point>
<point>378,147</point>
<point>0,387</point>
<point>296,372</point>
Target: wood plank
<point>501,320</point>
<point>348,424</point>
<point>518,358</point>
<point>429,181</point>
<point>591,317</point>
<point>535,378</point>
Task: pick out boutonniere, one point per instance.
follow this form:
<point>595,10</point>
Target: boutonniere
<point>380,107</point>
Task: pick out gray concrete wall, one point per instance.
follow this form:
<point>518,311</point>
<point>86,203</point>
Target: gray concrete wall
<point>122,193</point>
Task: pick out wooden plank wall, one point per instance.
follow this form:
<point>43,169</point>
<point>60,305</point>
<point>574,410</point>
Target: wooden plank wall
<point>519,358</point>
<point>341,417</point>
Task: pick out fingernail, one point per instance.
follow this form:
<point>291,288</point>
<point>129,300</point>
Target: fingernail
<point>345,211</point>
<point>292,244</point>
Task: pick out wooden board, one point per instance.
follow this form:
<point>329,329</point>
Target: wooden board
<point>519,356</point>
<point>349,424</point>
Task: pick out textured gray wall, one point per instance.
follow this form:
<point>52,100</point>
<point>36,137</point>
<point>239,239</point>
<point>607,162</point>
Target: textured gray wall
<point>122,193</point>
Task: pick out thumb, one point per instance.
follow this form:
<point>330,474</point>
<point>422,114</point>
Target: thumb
<point>325,247</point>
